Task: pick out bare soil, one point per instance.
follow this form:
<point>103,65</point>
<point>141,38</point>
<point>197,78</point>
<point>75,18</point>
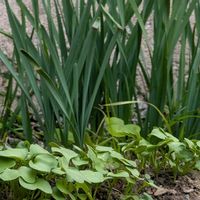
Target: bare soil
<point>185,187</point>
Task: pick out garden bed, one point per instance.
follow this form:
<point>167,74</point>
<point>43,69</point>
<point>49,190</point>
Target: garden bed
<point>51,113</point>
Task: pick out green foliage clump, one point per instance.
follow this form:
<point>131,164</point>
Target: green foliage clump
<point>159,151</point>
<point>82,174</point>
<point>75,174</point>
<point>90,54</point>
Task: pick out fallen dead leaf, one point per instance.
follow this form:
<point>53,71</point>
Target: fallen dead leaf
<point>160,191</point>
<point>188,190</point>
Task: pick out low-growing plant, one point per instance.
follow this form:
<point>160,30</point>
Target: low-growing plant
<point>34,173</point>
<point>160,151</point>
<point>90,54</point>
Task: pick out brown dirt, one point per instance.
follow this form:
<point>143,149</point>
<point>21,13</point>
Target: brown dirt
<point>185,187</point>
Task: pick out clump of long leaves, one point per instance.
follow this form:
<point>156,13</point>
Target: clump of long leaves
<point>63,70</point>
<point>89,53</point>
<point>175,93</point>
<point>71,56</point>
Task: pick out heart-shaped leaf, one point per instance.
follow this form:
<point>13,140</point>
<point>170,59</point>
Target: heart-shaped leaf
<point>117,155</point>
<point>58,171</point>
<point>14,153</point>
<point>97,163</point>
<point>117,128</point>
<point>43,163</point>
<point>105,156</point>
<point>180,150</point>
<point>82,196</point>
<point>134,172</point>
<point>74,174</point>
<point>85,188</point>
<point>27,174</point>
<point>78,162</point>
<point>190,144</point>
<point>64,188</point>
<point>197,165</point>
<point>61,184</point>
<point>57,194</point>
<point>67,153</point>
<point>6,163</point>
<point>92,177</point>
<point>36,149</point>
<point>104,149</point>
<point>9,175</point>
<point>40,184</point>
<point>129,163</point>
<point>198,143</point>
<point>159,134</point>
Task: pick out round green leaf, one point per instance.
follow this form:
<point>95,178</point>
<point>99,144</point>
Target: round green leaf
<point>130,163</point>
<point>97,163</point>
<point>158,135</point>
<point>61,184</point>
<point>190,144</point>
<point>92,177</point>
<point>27,174</point>
<point>104,148</point>
<point>117,128</point>
<point>43,163</point>
<point>64,188</point>
<point>134,172</point>
<point>14,153</point>
<point>36,149</point>
<point>197,165</point>
<point>6,163</point>
<point>116,155</point>
<point>180,150</point>
<point>198,143</point>
<point>104,156</point>
<point>74,174</point>
<point>78,162</point>
<point>40,184</point>
<point>114,126</point>
<point>9,175</point>
<point>67,153</point>
<point>57,194</point>
<point>58,171</point>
